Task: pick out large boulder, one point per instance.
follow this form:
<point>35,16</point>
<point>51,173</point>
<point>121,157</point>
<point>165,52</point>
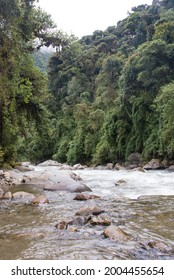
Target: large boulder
<point>154,164</point>
<point>116,234</point>
<point>24,196</point>
<point>70,187</point>
<point>52,179</point>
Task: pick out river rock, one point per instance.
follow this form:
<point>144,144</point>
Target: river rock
<point>50,163</point>
<point>75,177</point>
<point>7,195</point>
<point>154,164</point>
<point>118,167</point>
<point>89,210</point>
<point>62,225</point>
<point>120,182</point>
<point>171,168</point>
<point>78,166</point>
<point>159,245</point>
<point>72,187</point>
<point>85,196</point>
<point>1,193</point>
<point>23,168</point>
<point>99,220</point>
<point>116,234</point>
<point>40,199</point>
<point>23,196</point>
<point>78,221</point>
<point>110,165</point>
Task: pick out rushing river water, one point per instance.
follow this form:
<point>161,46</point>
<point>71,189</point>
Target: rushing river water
<point>28,232</point>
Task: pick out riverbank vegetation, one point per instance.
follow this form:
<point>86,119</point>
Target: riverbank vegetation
<point>103,97</point>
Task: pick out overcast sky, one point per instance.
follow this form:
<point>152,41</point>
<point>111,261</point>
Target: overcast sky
<point>83,17</point>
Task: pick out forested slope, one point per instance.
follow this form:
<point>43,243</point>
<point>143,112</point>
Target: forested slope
<point>110,93</point>
<point>114,90</point>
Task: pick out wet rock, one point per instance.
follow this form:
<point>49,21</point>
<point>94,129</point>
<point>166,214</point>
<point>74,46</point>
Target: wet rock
<point>1,193</point>
<point>159,245</point>
<point>171,168</point>
<point>78,166</point>
<point>118,167</point>
<point>7,195</point>
<point>22,168</point>
<point>7,175</point>
<point>154,164</point>
<point>99,220</point>
<point>77,187</point>
<point>141,169</point>
<point>110,165</point>
<point>78,221</point>
<point>116,234</point>
<point>120,182</point>
<point>73,187</point>
<point>85,196</point>
<point>50,163</point>
<point>62,225</point>
<point>75,177</point>
<point>89,210</point>
<point>23,196</point>
<point>40,199</point>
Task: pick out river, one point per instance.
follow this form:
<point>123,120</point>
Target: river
<point>141,204</point>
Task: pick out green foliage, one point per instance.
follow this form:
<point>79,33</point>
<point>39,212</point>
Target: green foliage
<point>110,94</point>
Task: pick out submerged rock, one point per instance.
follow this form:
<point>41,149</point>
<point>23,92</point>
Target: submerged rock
<point>116,234</point>
<point>89,210</point>
<point>78,221</point>
<point>40,199</point>
<point>85,196</point>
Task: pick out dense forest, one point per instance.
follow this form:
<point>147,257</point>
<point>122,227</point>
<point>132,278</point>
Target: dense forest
<point>99,99</point>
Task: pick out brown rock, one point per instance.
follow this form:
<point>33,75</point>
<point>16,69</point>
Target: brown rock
<point>79,221</point>
<point>23,196</point>
<point>99,220</point>
<point>1,193</point>
<point>90,210</point>
<point>116,234</point>
<point>120,182</point>
<point>154,164</point>
<point>159,245</point>
<point>7,195</point>
<point>40,199</point>
<point>85,196</point>
<point>62,225</point>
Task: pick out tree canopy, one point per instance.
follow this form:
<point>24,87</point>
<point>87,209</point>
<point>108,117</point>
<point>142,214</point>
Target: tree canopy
<point>99,99</point>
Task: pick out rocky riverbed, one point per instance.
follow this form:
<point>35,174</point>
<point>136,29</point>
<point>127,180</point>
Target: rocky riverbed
<point>61,212</point>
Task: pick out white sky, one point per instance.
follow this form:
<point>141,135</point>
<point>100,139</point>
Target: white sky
<point>83,17</point>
